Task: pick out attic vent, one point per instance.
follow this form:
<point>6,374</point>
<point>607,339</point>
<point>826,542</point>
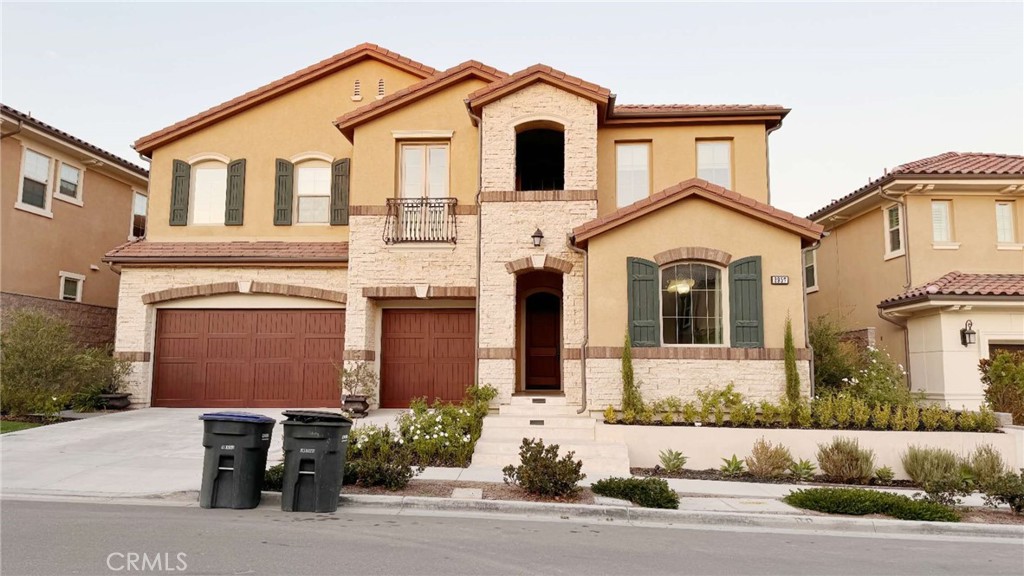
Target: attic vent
<point>380,88</point>
<point>357,90</point>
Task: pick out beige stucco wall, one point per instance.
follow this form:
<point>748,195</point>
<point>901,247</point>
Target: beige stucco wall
<point>539,102</point>
<point>705,447</point>
<point>695,222</point>
<point>35,248</point>
<point>674,157</point>
<point>944,369</point>
<point>853,277</point>
<point>375,154</point>
<point>136,322</point>
<point>294,123</point>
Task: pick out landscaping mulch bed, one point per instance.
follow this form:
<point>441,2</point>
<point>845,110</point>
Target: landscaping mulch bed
<point>712,474</point>
<point>989,516</point>
<point>443,489</point>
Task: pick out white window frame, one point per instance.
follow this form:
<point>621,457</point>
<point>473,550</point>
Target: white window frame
<point>198,165</point>
<point>70,276</point>
<point>889,252</point>
<point>723,279</point>
<point>47,211</point>
<point>647,145</point>
<point>1013,242</point>
<point>949,243</point>
<point>426,146</point>
<point>131,215</point>
<point>732,168</point>
<point>80,199</point>
<point>311,158</point>
<point>814,266</point>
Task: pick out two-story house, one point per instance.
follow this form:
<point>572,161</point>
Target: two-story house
<point>65,203</point>
<point>929,258</point>
<point>453,227</point>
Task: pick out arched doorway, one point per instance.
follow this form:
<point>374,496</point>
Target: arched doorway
<point>540,331</point>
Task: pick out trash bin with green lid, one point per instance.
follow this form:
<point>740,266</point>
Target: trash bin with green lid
<point>315,444</point>
<point>235,459</point>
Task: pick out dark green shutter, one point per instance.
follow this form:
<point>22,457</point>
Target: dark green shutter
<point>181,178</point>
<point>339,192</point>
<point>642,296</point>
<point>745,306</point>
<point>234,203</point>
<point>283,193</point>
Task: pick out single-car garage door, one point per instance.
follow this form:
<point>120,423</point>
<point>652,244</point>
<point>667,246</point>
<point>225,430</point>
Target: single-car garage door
<point>425,353</point>
<point>248,358</point>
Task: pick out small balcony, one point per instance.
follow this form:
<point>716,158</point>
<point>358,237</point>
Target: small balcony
<point>420,220</point>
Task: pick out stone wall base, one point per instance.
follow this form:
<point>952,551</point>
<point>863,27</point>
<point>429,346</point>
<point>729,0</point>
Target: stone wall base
<point>90,325</point>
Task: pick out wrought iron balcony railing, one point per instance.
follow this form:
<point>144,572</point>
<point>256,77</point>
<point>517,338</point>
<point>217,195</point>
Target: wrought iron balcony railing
<point>420,220</point>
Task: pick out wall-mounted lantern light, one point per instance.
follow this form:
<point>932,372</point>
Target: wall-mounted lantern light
<point>537,237</point>
<point>967,334</point>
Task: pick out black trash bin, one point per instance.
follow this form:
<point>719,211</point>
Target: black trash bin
<point>315,444</point>
<point>235,459</point>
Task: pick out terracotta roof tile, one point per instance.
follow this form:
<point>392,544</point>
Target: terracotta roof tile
<point>44,127</point>
<point>708,191</point>
<point>959,284</point>
<point>539,70</point>
<point>290,81</point>
<point>202,252</point>
<point>945,164</point>
<point>628,109</point>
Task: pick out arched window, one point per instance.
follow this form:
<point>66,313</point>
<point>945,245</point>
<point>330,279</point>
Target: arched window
<point>691,304</point>
<point>209,191</point>
<point>540,156</point>
<point>313,192</point>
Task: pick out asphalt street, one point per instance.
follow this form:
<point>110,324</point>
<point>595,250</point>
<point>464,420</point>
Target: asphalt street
<point>74,538</point>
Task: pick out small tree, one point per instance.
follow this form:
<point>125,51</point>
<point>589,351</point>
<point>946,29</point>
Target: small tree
<point>834,359</point>
<point>792,376</point>
<point>632,400</point>
<point>1003,379</point>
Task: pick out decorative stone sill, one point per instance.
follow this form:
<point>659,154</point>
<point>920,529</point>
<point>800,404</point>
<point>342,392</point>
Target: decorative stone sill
<point>420,246</point>
<point>897,254</point>
<point>1009,246</point>
<point>33,210</point>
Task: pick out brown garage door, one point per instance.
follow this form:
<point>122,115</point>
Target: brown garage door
<point>255,358</point>
<point>425,353</point>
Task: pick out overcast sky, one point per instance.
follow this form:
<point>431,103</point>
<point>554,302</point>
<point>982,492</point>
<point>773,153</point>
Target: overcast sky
<point>871,85</point>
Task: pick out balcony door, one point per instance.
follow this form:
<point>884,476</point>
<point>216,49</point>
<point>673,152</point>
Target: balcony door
<point>424,181</point>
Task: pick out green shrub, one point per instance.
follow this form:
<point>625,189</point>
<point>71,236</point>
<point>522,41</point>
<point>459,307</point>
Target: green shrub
<point>843,460</point>
<point>273,478</point>
<point>834,359</point>
<point>1003,380</point>
<point>859,502</point>
<point>672,460</point>
<point>792,375</point>
<point>986,464</point>
<point>802,414</point>
<point>668,419</point>
<point>100,373</point>
<point>987,421</point>
<point>967,421</point>
<point>860,413</point>
<point>1008,489</point>
<point>885,475</point>
<point>689,413</point>
<point>925,465</point>
<point>880,380</point>
<point>732,466</point>
<point>771,414</point>
<point>445,434</point>
<point>743,415</point>
<point>767,460</point>
<point>543,473</point>
<point>645,415</point>
<point>843,410</point>
<point>803,470</point>
<point>646,492</point>
<point>632,400</point>
<point>947,421</point>
<point>378,457</point>
<point>911,418</point>
<point>610,417</point>
<point>713,402</point>
<point>823,409</point>
<point>880,417</point>
<point>930,417</point>
<point>673,405</point>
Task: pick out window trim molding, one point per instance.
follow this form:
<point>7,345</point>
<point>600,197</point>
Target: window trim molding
<point>811,288</point>
<point>889,252</point>
<point>192,189</point>
<point>1012,205</point>
<point>948,202</point>
<point>131,215</point>
<point>207,156</point>
<point>70,275</point>
<point>723,277</point>
<point>650,167</point>
<point>400,166</point>
<point>80,199</point>
<point>47,211</point>
<point>732,158</point>
<point>422,134</point>
<point>306,158</point>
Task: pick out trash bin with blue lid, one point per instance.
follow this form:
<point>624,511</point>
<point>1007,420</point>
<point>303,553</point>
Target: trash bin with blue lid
<point>315,445</point>
<point>235,458</point>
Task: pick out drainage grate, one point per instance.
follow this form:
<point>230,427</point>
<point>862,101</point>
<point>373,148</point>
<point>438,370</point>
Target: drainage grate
<point>536,422</point>
<point>540,400</point>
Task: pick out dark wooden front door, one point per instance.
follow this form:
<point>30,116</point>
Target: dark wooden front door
<point>426,353</point>
<point>543,342</point>
<point>248,358</point>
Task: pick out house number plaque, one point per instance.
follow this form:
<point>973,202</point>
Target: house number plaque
<point>780,280</point>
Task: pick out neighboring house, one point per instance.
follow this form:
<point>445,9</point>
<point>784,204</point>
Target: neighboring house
<point>454,227</point>
<point>65,204</point>
<point>929,258</point>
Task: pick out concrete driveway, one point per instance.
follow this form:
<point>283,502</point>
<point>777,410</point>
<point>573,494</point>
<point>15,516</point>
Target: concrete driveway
<point>128,454</point>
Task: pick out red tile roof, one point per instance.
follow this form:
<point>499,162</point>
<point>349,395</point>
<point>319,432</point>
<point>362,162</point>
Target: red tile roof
<point>535,73</point>
<point>697,187</point>
<point>348,121</point>
<point>945,164</point>
<point>19,116</point>
<point>960,284</point>
<point>673,109</point>
<point>145,251</point>
<point>146,144</point>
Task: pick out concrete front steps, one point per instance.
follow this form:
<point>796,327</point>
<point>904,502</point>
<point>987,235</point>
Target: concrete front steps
<point>551,419</point>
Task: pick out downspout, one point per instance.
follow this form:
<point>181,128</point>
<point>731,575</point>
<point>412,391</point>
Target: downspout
<point>807,322</point>
<point>11,133</point>
<point>586,323</point>
<point>479,232</point>
<point>906,285</point>
<point>768,161</point>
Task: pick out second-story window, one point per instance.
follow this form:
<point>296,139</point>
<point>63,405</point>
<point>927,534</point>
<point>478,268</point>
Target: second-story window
<point>942,227</point>
<point>70,181</point>
<point>35,179</point>
<point>209,192</point>
<point>1005,228</point>
<point>893,231</point>
<point>811,270</point>
<point>313,192</point>
<point>140,211</point>
<point>632,172</point>
<point>714,162</point>
<point>424,170</point>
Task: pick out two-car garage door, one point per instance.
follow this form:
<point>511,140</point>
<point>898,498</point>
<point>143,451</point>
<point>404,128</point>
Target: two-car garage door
<point>255,358</point>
